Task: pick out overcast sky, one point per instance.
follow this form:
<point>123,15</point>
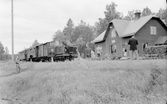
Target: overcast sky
<point>39,19</point>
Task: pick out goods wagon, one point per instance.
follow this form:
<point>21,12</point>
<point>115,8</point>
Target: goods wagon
<point>47,51</point>
<point>41,50</point>
<point>31,53</point>
<point>23,55</point>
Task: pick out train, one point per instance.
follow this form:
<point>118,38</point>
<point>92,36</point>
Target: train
<point>49,51</point>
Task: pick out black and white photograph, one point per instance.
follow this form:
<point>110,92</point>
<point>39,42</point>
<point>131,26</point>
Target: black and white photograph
<point>83,51</point>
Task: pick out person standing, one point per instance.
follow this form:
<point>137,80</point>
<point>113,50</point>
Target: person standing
<point>92,54</point>
<point>78,53</point>
<point>18,69</point>
<point>133,48</point>
<point>125,52</point>
<point>145,46</point>
<point>99,51</point>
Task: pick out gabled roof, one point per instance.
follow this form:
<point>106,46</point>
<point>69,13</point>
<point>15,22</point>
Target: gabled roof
<point>161,40</point>
<point>135,25</point>
<point>120,25</point>
<point>126,28</point>
<point>99,38</point>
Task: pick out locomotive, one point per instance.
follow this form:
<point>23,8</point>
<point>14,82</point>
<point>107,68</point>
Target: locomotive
<point>54,50</point>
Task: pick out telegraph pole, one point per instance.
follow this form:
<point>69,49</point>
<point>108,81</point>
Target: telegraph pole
<point>12,31</point>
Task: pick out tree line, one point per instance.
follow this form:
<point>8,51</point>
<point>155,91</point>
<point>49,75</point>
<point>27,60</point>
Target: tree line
<point>4,53</point>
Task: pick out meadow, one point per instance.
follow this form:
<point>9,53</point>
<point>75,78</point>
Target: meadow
<point>85,82</point>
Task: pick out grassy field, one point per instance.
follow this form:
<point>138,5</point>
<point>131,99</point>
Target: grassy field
<point>85,82</point>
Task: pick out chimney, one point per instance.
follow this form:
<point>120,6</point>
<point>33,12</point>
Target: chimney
<point>137,15</point>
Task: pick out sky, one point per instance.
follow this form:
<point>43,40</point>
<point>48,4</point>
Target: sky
<point>40,19</point>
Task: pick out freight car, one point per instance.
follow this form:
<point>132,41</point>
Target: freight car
<point>49,50</point>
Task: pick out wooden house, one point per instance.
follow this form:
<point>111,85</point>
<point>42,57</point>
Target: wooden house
<point>148,30</point>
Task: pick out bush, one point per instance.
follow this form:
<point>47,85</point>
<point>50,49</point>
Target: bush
<point>161,51</point>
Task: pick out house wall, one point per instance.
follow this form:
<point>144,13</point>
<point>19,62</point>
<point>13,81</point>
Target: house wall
<point>114,41</point>
<point>125,45</point>
<point>103,45</point>
<point>106,45</point>
<point>144,36</point>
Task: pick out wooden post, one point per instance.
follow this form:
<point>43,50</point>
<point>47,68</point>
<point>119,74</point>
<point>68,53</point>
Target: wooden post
<point>12,31</point>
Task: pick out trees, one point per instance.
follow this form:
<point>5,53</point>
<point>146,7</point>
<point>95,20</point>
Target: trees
<point>2,51</point>
<point>130,15</point>
<point>69,29</point>
<point>162,14</point>
<point>146,11</point>
<point>110,14</point>
<point>78,35</point>
<point>58,35</point>
<point>83,34</point>
<point>65,35</point>
<point>84,31</point>
<point>35,43</point>
<point>101,25</point>
<point>6,55</point>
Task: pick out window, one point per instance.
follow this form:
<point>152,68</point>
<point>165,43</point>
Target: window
<point>145,46</point>
<point>113,49</point>
<point>153,30</point>
<point>112,41</point>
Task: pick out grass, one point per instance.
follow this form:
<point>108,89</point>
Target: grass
<point>87,82</point>
<point>8,69</point>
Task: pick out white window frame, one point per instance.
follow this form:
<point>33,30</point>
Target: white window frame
<point>113,49</point>
<point>153,30</point>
